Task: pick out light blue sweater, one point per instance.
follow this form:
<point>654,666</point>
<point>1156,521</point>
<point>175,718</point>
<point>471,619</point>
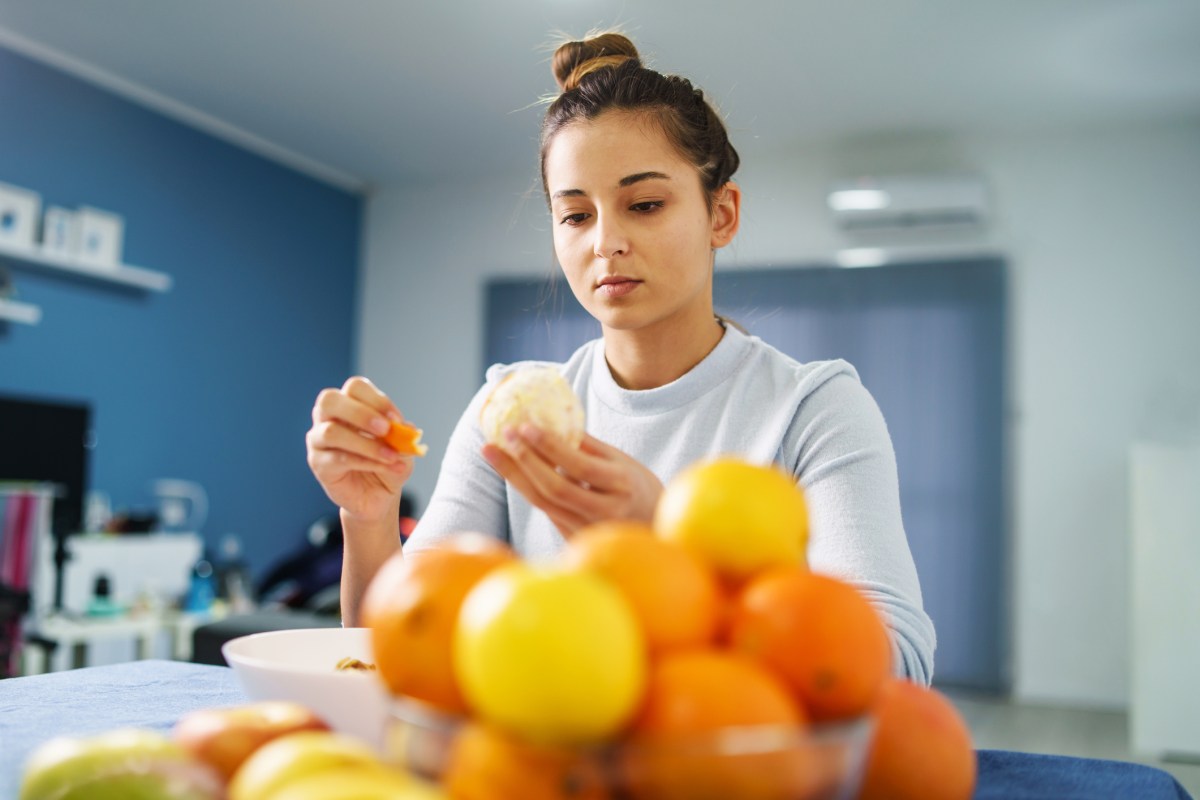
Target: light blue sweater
<point>745,398</point>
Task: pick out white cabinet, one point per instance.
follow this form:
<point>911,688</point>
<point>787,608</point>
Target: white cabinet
<point>135,564</point>
<point>1164,711</point>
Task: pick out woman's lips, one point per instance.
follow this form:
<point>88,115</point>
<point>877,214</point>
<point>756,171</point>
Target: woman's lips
<point>617,287</point>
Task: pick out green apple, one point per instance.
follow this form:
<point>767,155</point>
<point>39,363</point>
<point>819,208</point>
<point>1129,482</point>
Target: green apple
<point>125,764</point>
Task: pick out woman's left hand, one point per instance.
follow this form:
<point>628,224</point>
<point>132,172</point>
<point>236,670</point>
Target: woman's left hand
<point>575,486</point>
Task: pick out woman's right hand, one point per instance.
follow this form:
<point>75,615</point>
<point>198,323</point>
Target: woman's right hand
<point>357,470</point>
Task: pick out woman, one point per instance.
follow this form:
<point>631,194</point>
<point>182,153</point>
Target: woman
<point>637,169</point>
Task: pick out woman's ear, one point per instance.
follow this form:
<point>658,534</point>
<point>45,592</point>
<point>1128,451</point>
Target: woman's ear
<point>726,214</point>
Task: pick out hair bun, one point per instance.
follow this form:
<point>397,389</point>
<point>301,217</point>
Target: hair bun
<point>573,60</point>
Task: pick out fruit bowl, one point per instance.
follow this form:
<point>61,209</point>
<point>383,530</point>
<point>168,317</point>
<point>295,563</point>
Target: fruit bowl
<point>749,763</point>
<point>302,666</point>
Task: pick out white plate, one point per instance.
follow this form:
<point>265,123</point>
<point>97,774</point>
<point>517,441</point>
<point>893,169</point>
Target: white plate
<point>301,666</point>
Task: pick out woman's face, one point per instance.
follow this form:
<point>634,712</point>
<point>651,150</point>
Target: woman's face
<point>632,230</point>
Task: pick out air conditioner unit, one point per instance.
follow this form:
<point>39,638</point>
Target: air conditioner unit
<point>909,202</point>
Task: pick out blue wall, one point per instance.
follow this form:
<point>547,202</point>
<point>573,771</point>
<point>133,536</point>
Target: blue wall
<point>212,381</point>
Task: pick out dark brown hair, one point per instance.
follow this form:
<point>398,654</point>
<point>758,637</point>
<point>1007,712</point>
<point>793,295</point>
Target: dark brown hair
<point>603,73</point>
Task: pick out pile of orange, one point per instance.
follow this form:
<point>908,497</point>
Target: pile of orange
<point>693,657</point>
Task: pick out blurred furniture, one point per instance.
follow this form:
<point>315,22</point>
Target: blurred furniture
<point>74,636</point>
<point>154,694</point>
<point>153,568</point>
<point>1165,599</point>
<point>147,574</point>
<point>24,520</point>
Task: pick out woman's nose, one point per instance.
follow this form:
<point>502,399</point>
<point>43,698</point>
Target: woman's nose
<point>610,239</point>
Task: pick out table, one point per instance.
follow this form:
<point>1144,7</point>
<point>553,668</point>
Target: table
<point>153,694</point>
<point>75,635</point>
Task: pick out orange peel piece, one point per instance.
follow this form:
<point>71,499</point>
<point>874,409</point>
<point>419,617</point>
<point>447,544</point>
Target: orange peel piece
<point>405,439</point>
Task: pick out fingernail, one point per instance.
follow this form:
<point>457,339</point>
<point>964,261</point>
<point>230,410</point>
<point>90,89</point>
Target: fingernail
<point>379,426</point>
<point>388,454</point>
<point>530,433</point>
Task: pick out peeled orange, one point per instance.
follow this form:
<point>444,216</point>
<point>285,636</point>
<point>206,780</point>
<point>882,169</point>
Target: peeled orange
<point>405,438</point>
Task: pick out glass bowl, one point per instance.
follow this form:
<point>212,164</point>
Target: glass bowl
<point>751,763</point>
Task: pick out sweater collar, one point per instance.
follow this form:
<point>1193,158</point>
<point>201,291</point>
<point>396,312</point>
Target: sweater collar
<point>718,366</point>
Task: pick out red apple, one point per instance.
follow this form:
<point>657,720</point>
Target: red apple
<point>225,737</point>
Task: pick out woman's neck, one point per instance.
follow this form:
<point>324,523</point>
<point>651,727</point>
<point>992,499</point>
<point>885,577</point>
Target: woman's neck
<point>647,359</point>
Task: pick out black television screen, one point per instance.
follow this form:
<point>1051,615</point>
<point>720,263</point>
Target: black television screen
<point>47,441</point>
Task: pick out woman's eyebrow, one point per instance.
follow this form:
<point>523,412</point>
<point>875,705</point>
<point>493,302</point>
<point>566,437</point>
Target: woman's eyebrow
<point>628,180</point>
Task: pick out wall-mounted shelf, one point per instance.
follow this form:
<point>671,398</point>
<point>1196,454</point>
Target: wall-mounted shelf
<point>12,311</point>
<point>124,274</point>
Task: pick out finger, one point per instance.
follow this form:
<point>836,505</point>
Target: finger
<point>353,411</point>
<point>557,486</point>
<point>593,467</point>
<point>332,466</point>
<point>593,446</point>
<point>362,390</point>
<point>336,436</point>
<point>513,471</point>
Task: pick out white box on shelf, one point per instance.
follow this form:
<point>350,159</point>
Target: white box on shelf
<point>100,237</point>
<point>60,232</point>
<point>19,212</point>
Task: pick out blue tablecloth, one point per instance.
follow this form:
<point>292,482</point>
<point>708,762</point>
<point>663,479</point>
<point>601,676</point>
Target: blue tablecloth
<point>154,694</point>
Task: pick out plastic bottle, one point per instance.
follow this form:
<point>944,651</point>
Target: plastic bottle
<point>202,589</point>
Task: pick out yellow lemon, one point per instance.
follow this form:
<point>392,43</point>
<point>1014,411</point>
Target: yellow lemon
<point>358,783</point>
<point>294,757</point>
<point>738,516</point>
<point>556,656</point>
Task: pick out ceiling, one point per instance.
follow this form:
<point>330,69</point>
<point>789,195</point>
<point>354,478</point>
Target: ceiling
<point>369,92</point>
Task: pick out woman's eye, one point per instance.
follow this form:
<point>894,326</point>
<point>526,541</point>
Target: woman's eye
<point>574,219</point>
<point>647,206</point>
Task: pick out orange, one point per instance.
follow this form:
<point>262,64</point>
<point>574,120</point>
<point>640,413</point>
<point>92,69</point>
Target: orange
<point>674,595</point>
<point>411,607</point>
<point>716,724</point>
<point>921,747</point>
<point>820,634</point>
<point>486,763</point>
<point>737,516</point>
<point>555,656</point>
<point>405,438</point>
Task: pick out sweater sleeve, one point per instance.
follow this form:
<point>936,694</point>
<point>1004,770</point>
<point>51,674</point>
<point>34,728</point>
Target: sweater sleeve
<point>469,494</point>
<point>842,456</point>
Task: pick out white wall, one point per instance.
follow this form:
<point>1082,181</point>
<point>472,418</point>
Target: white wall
<point>1102,232</point>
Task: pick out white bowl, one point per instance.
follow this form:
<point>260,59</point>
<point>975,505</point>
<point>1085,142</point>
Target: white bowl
<point>301,666</point>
